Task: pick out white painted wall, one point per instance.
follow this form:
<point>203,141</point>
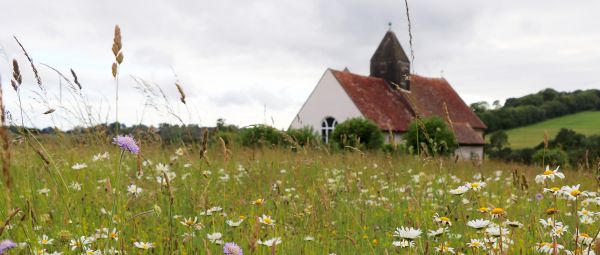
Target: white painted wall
<point>469,152</point>
<point>327,99</point>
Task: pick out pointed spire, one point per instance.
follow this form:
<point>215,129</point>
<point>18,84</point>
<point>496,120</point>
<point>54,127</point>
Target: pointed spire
<point>390,62</point>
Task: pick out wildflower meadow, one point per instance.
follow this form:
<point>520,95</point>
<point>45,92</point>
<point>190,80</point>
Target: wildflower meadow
<point>124,193</point>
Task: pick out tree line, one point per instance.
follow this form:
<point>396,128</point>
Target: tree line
<point>533,108</point>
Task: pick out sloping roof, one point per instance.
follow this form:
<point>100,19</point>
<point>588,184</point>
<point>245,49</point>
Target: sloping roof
<point>429,96</point>
<point>394,110</point>
<point>466,135</point>
<point>376,101</point>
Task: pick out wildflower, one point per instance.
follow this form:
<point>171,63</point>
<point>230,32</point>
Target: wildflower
<point>476,243</point>
<point>100,156</point>
<point>189,222</point>
<point>514,224</point>
<point>573,192</point>
<point>232,249</point>
<point>549,175</point>
<point>127,143</point>
<point>587,220</point>
<point>444,248</point>
<point>551,211</point>
<point>143,245</point>
<point>234,223</point>
<point>497,212</point>
<point>270,242</point>
<point>259,201</point>
<point>6,245</point>
<point>215,238</point>
<point>114,235</point>
<point>442,220</point>
<point>437,232</point>
<point>309,238</point>
<point>548,248</point>
<point>554,191</point>
<point>407,233</point>
<point>558,230</point>
<point>134,190</point>
<point>475,186</point>
<point>496,231</point>
<point>550,222</point>
<point>583,239</point>
<point>403,243</point>
<point>460,190</point>
<point>79,243</point>
<point>478,224</point>
<point>45,240</point>
<point>539,196</point>
<point>267,220</point>
<point>483,209</point>
<point>79,166</point>
<point>75,186</point>
<point>44,191</point>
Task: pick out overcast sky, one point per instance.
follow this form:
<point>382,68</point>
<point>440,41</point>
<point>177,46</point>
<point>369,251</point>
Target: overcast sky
<point>257,61</point>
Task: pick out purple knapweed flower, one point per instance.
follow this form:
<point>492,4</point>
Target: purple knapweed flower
<point>232,249</point>
<point>539,196</point>
<point>127,143</point>
<point>6,245</point>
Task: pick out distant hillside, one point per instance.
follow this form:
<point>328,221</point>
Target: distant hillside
<point>535,108</point>
<point>587,123</point>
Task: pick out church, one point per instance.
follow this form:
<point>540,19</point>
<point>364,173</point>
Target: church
<point>391,97</point>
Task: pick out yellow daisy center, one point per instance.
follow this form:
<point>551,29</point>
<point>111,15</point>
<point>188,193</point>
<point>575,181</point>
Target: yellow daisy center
<point>548,172</point>
<point>484,209</point>
<point>575,192</point>
<point>584,235</point>
<point>268,221</point>
<point>444,219</point>
<point>555,189</point>
<point>497,211</point>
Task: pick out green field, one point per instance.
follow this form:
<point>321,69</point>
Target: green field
<point>587,123</point>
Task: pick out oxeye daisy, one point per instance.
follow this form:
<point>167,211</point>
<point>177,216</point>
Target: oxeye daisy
<point>403,243</point>
<point>267,220</point>
<point>143,245</point>
<point>443,220</point>
<point>444,248</point>
<point>189,221</point>
<point>497,212</point>
<point>476,243</point>
<point>549,175</point>
<point>459,191</point>
<point>407,233</point>
<point>478,224</point>
<point>127,143</point>
<point>475,186</point>
<point>45,240</point>
<point>270,242</point>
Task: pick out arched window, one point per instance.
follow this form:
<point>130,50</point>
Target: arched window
<point>327,126</point>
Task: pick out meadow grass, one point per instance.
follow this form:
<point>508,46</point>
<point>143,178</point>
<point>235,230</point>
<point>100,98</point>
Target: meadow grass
<point>587,123</point>
<point>321,203</point>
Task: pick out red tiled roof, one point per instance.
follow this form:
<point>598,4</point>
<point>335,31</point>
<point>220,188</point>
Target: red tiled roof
<point>429,96</point>
<point>393,110</point>
<point>466,135</point>
<point>376,101</point>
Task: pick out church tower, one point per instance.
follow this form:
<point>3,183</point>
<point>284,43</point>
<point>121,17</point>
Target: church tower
<point>391,63</point>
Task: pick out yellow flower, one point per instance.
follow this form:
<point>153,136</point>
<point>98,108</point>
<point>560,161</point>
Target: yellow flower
<point>259,201</point>
<point>483,210</point>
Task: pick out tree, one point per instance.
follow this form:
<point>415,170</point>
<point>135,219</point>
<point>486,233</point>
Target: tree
<point>431,134</point>
<point>479,107</point>
<point>359,133</point>
<point>499,140</point>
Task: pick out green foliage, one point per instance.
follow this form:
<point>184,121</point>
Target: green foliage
<point>260,135</point>
<point>499,140</point>
<point>305,136</point>
<point>359,133</point>
<point>433,135</point>
<point>546,104</point>
<point>555,157</point>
